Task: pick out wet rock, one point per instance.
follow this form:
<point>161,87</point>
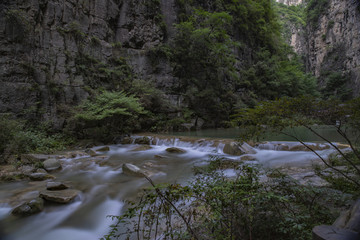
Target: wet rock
<point>248,158</point>
<point>40,176</point>
<point>75,154</point>
<point>133,170</point>
<point>283,147</point>
<point>350,219</point>
<point>53,186</point>
<point>342,146</point>
<point>175,150</point>
<point>143,140</point>
<point>33,158</point>
<point>160,156</point>
<point>324,232</point>
<point>91,152</point>
<point>233,149</point>
<point>26,169</point>
<point>141,148</point>
<point>52,164</point>
<point>315,147</point>
<point>126,140</point>
<point>29,208</point>
<point>41,170</point>
<point>63,196</point>
<point>103,149</point>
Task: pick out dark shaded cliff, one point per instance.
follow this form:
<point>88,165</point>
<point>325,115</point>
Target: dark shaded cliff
<point>329,42</point>
<point>54,52</point>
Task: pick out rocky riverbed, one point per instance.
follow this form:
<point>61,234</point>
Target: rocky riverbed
<point>80,184</point>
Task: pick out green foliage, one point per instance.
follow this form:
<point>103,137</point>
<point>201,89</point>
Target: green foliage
<point>106,115</point>
<point>336,86</point>
<point>215,207</point>
<point>275,76</point>
<point>289,17</point>
<point>314,9</point>
<point>203,57</point>
<point>116,72</point>
<point>19,23</point>
<point>17,138</point>
<point>285,113</point>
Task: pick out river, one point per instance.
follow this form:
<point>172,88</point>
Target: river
<point>105,187</point>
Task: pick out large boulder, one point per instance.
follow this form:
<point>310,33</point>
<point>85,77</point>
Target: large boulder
<point>135,171</point>
<point>175,150</point>
<point>40,176</point>
<point>52,164</point>
<point>54,186</point>
<point>350,219</point>
<point>236,149</point>
<point>143,140</point>
<point>346,226</point>
<point>63,196</point>
<point>325,232</point>
<point>126,140</point>
<point>28,208</point>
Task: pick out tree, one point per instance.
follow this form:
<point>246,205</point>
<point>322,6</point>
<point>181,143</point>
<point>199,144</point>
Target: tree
<point>204,61</point>
<point>108,114</point>
<point>279,115</point>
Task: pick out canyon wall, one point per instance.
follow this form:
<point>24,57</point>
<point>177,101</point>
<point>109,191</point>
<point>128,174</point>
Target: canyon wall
<point>53,53</point>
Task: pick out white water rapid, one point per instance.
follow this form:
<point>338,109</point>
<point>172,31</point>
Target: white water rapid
<point>105,187</point>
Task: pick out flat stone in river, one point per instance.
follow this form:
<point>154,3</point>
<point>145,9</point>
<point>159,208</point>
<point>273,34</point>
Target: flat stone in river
<point>63,196</point>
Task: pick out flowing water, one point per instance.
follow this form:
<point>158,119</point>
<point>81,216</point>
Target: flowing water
<point>105,187</point>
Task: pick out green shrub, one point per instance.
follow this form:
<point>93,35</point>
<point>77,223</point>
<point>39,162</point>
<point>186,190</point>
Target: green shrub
<point>213,206</point>
<point>106,115</point>
<point>17,138</point>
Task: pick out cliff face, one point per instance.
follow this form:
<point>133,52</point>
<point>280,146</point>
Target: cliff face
<point>334,44</point>
<point>52,51</point>
<point>290,2</point>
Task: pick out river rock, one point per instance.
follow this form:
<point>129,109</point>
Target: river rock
<point>342,146</point>
<point>141,148</point>
<point>63,196</point>
<point>350,219</point>
<point>41,170</point>
<point>52,164</point>
<point>175,150</point>
<point>103,149</point>
<point>26,169</point>
<point>53,186</point>
<point>40,176</point>
<point>324,232</point>
<point>75,154</point>
<point>28,208</point>
<point>33,158</point>
<point>143,140</point>
<point>91,152</point>
<point>160,156</point>
<point>248,158</point>
<point>126,140</point>
<point>233,149</point>
<point>133,170</point>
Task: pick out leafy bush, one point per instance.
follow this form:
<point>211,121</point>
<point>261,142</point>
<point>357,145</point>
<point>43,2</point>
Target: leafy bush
<point>16,138</point>
<point>106,115</point>
<point>215,207</point>
<point>276,116</point>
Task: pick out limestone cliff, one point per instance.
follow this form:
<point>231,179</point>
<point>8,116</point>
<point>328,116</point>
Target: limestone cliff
<point>53,52</point>
<point>334,43</point>
<point>290,2</point>
<point>331,44</point>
